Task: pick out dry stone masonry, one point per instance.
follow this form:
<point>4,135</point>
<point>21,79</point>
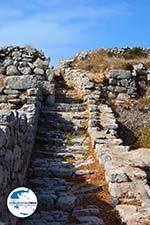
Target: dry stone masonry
<point>24,75</point>
<point>44,134</point>
<point>127,172</point>
<point>121,84</point>
<point>127,83</point>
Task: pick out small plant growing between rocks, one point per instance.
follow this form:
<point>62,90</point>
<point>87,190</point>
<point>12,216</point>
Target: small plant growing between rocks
<point>68,138</point>
<point>85,151</point>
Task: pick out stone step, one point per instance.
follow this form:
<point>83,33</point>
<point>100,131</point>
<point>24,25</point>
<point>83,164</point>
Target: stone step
<point>56,125</point>
<point>64,154</point>
<point>47,132</point>
<point>58,115</point>
<point>90,210</point>
<point>88,190</point>
<point>90,220</point>
<point>63,149</point>
<point>50,140</point>
<point>48,183</point>
<point>69,122</point>
<point>65,107</point>
<point>59,159</point>
<point>84,172</point>
<point>45,217</point>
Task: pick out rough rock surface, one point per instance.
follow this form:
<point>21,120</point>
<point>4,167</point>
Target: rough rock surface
<point>127,185</point>
<point>22,97</point>
<point>57,159</point>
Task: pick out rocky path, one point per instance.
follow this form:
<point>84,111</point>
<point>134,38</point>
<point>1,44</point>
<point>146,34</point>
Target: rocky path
<point>64,173</point>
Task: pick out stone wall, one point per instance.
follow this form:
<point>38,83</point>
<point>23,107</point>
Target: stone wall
<point>26,83</point>
<point>124,169</point>
<point>22,70</point>
<point>130,83</point>
<point>120,84</point>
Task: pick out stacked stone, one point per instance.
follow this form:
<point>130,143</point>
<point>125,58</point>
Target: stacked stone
<point>124,170</point>
<point>26,82</point>
<point>131,84</point>
<point>122,84</point>
<point>21,69</point>
<point>74,77</point>
<point>117,51</point>
<point>16,142</point>
<point>121,81</point>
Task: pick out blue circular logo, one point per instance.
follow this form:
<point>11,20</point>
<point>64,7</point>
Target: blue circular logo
<point>22,202</point>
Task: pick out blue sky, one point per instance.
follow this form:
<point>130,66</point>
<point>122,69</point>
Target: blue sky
<point>62,28</point>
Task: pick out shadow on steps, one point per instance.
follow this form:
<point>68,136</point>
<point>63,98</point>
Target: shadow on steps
<point>66,180</point>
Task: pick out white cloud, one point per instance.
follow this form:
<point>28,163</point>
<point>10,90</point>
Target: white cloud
<point>55,25</point>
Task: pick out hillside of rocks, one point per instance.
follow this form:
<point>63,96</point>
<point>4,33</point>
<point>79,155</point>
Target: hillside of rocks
<point>77,135</point>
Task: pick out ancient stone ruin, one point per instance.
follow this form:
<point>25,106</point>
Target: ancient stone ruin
<point>59,137</point>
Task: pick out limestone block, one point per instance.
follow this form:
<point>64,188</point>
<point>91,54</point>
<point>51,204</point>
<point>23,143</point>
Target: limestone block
<point>28,99</point>
<point>12,70</point>
<point>47,88</point>
<point>119,74</point>
<point>42,64</point>
<point>117,176</point>
<point>38,71</point>
<point>66,202</point>
<point>25,70</point>
<point>11,92</point>
<point>21,82</point>
<point>120,89</point>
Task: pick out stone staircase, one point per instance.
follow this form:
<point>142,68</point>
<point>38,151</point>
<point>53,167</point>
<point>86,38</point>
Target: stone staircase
<point>58,164</point>
<point>77,139</point>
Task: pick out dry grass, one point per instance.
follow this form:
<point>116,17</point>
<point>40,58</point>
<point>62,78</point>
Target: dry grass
<point>98,77</point>
<point>144,103</point>
<point>144,137</point>
<point>98,62</point>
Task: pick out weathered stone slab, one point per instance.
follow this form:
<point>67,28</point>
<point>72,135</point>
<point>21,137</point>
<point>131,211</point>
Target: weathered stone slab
<point>21,82</point>
<point>67,202</point>
<point>12,70</point>
<point>119,74</point>
<point>117,176</point>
